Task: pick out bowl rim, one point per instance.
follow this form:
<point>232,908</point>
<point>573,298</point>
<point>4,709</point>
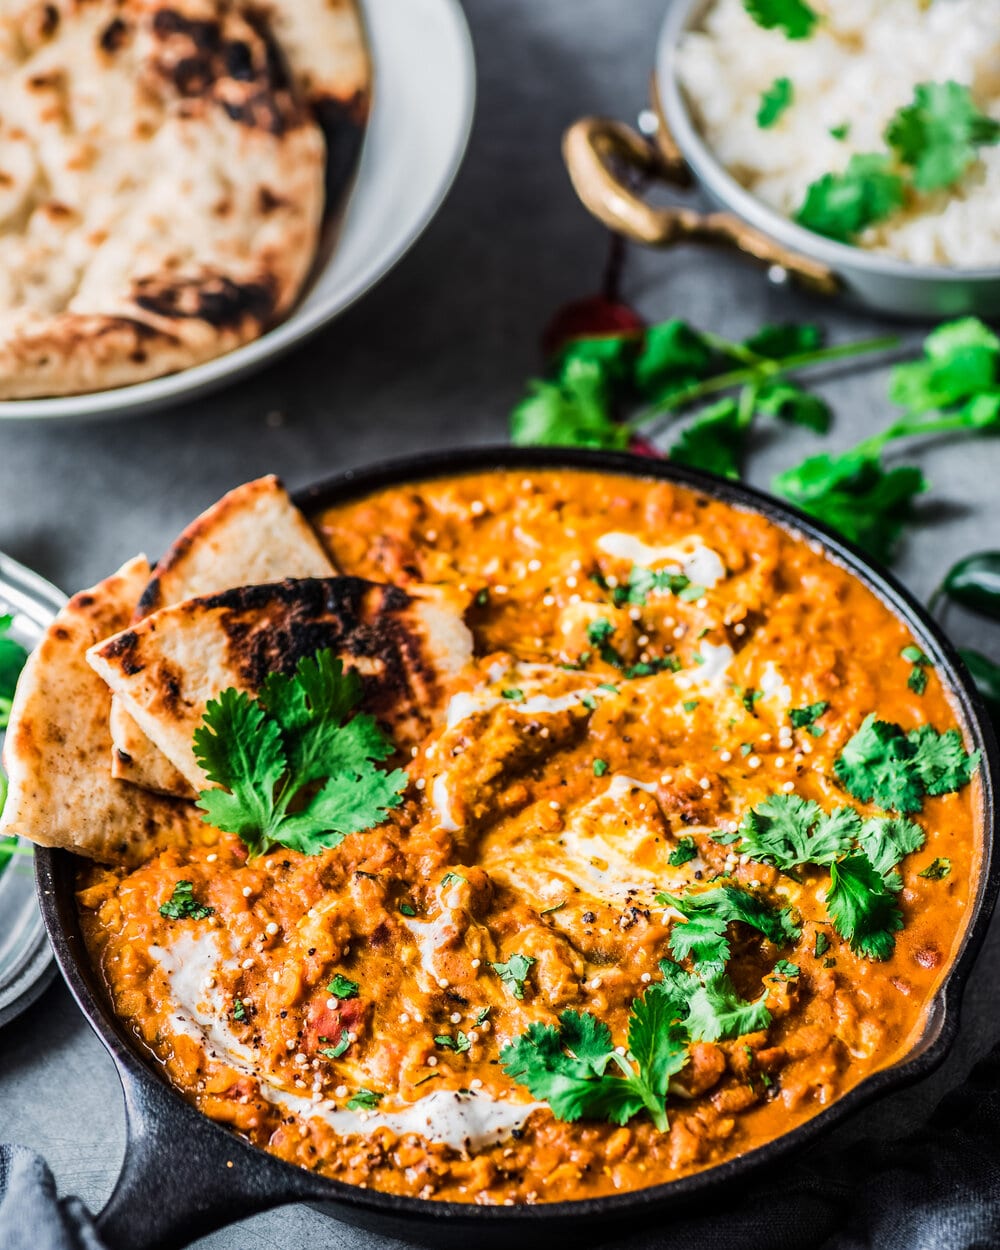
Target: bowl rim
<point>55,868</point>
<point>682,16</point>
<point>301,322</point>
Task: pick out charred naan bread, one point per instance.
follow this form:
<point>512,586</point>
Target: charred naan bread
<point>56,753</point>
<point>163,172</point>
<point>407,647</point>
<point>254,534</point>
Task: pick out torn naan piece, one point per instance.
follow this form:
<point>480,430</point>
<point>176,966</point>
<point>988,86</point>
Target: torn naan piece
<point>253,535</point>
<point>61,792</point>
<point>407,646</point>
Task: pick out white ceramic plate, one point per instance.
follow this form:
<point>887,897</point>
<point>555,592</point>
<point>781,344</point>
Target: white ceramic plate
<point>424,93</point>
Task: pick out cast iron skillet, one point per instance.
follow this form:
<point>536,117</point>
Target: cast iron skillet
<point>184,1175</point>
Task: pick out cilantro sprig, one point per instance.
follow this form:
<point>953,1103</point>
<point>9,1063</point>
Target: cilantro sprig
<point>863,907</point>
<point>704,933</point>
<point>296,765</point>
<point>794,18</point>
<point>577,1070</point>
<point>886,765</point>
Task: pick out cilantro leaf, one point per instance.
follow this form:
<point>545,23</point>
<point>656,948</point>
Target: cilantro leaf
<point>707,916</point>
<point>672,355</point>
<point>364,1100</point>
<point>774,101</point>
<point>961,359</point>
<point>841,205</point>
<point>573,411</point>
<point>182,905</point>
<point>794,17</point>
<point>341,1048</point>
<point>786,971</point>
<point>803,717</point>
<point>939,132</point>
<point>886,840</point>
<point>343,987</point>
<point>459,1043</point>
<point>862,907</point>
<point>567,1066</point>
<point>936,870</point>
<point>882,764</point>
<point>791,403</point>
<point>717,1012</point>
<point>268,754</point>
<point>13,658</point>
<point>787,831</point>
<point>788,339</point>
<point>855,495</point>
<point>713,441</point>
<point>642,582</point>
<point>683,852</point>
<point>240,1013</point>
<point>514,973</point>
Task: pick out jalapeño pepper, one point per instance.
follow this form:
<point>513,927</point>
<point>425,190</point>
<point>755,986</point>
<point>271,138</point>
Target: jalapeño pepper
<point>986,675</point>
<point>975,583</point>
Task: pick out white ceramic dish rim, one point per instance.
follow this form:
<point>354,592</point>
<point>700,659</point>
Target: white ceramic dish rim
<point>450,147</point>
<point>681,16</point>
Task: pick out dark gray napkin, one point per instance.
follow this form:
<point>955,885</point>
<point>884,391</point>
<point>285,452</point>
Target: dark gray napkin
<point>938,1189</point>
<point>31,1216</point>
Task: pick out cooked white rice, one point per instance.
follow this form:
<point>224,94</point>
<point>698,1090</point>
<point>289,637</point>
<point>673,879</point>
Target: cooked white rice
<point>858,67</point>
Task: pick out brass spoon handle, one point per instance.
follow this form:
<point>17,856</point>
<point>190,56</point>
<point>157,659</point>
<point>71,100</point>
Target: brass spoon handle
<point>595,148</point>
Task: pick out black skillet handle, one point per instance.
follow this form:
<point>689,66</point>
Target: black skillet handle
<point>184,1176</point>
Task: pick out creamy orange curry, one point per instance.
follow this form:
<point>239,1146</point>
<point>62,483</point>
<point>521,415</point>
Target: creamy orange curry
<point>634,915</point>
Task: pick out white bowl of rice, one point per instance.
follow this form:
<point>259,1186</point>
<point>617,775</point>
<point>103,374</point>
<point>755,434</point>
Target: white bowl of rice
<point>861,135</point>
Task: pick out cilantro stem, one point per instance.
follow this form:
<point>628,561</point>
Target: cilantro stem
<point>762,370</point>
<point>653,1105</point>
<point>908,427</point>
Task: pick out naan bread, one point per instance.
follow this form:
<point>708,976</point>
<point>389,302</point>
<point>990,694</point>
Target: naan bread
<point>56,753</point>
<point>406,645</point>
<point>162,180</point>
<point>254,534</point>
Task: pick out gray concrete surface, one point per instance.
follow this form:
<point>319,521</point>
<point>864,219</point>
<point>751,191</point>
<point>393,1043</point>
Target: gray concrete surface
<point>433,358</point>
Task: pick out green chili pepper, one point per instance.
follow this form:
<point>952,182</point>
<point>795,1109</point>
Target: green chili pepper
<point>986,675</point>
<point>975,583</point>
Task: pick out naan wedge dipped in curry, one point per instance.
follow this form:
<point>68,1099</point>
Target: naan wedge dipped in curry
<point>406,645</point>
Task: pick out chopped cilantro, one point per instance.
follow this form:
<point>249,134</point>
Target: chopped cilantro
<point>841,205</point>
<point>364,1100</point>
<point>459,1043</point>
<point>689,705</point>
<point>600,767</point>
<point>452,878</point>
<point>917,680</point>
<point>745,748</point>
<point>514,973</point>
<point>547,911</point>
<point>642,582</point>
<point>240,1013</point>
<point>864,910</point>
<point>407,909</point>
<point>938,134</point>
<point>793,17</point>
<point>608,687</point>
<point>685,850</point>
<point>841,131</point>
<point>482,1015</point>
<point>821,944</point>
<point>512,693</point>
<point>774,101</point>
<point>883,764</point>
<point>182,904</point>
<point>785,971</point>
<point>482,597</point>
<point>803,717</point>
<point>334,1052</point>
<point>750,698</point>
<point>270,753</point>
<point>343,987</point>
<point>707,916</point>
<point>936,870</point>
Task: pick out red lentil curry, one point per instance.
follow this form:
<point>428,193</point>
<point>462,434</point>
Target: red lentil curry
<point>635,914</point>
